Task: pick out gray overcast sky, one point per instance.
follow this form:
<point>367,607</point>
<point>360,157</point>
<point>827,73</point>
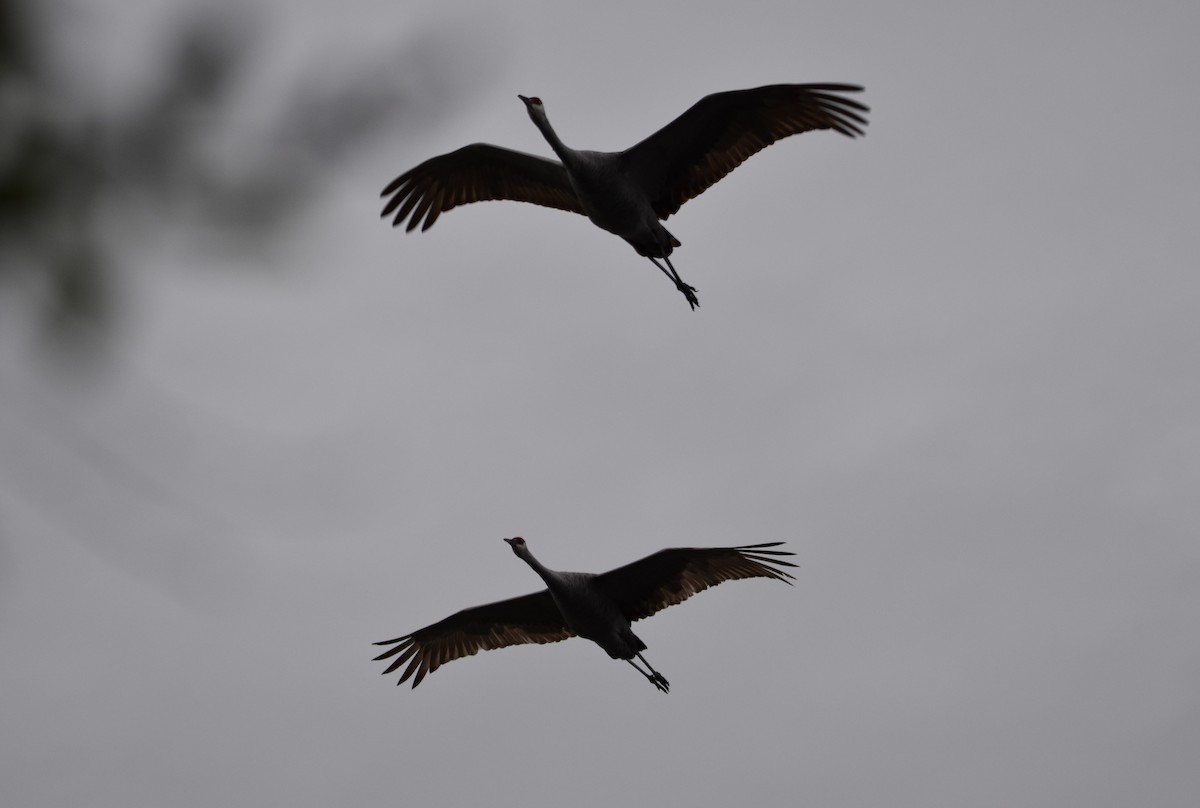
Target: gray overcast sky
<point>953,364</point>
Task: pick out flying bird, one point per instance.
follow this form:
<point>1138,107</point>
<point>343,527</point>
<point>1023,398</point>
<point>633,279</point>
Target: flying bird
<point>627,193</point>
<point>595,607</point>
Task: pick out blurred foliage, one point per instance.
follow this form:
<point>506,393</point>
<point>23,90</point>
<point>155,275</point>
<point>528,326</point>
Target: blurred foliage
<point>69,164</point>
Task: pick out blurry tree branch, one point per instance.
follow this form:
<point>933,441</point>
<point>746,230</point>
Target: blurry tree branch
<point>200,147</point>
<point>68,168</point>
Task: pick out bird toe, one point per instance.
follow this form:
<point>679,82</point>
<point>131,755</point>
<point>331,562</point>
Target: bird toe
<point>689,292</point>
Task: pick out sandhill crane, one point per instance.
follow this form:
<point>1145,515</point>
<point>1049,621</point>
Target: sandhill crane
<point>596,607</point>
<point>628,192</point>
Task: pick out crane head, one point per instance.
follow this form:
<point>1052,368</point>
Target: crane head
<point>516,543</point>
<point>537,112</point>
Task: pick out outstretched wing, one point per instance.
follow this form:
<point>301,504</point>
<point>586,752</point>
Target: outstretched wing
<point>476,173</point>
<point>723,130</point>
<point>672,576</point>
<point>531,618</point>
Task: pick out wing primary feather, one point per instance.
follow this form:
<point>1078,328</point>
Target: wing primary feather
<point>408,654</point>
<point>409,197</point>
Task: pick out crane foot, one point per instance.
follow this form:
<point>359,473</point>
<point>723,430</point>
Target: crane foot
<point>690,293</point>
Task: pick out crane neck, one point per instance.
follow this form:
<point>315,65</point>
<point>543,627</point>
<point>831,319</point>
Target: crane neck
<point>564,152</point>
<point>546,574</point>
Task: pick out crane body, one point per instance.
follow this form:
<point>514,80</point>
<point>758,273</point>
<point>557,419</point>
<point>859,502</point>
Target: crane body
<point>628,193</point>
<point>599,607</point>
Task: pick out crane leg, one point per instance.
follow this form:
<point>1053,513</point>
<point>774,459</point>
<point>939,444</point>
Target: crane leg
<point>688,291</point>
<point>656,678</point>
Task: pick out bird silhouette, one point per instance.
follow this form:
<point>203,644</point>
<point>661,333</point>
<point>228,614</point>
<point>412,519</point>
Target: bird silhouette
<point>596,607</point>
<point>627,193</point>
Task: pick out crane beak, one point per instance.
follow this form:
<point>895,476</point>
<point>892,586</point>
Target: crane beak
<point>509,542</point>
